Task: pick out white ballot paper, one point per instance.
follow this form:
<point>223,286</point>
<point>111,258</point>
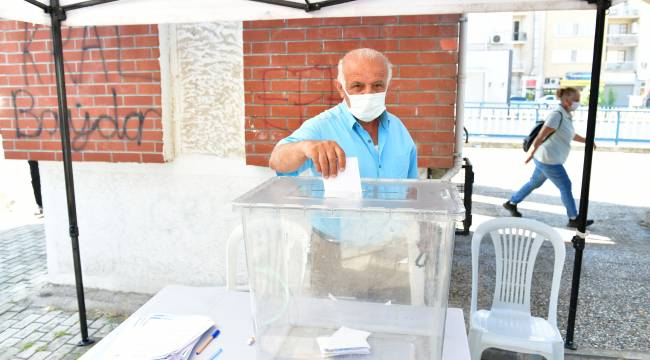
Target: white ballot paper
<point>346,184</point>
<point>344,341</point>
<point>160,336</point>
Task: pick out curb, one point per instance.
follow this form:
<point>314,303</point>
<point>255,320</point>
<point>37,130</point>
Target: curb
<point>517,145</point>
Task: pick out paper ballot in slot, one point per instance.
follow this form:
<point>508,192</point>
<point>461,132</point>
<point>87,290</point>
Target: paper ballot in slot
<point>347,184</point>
<point>160,336</point>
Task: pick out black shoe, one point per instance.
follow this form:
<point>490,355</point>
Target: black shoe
<point>573,223</point>
<point>512,208</point>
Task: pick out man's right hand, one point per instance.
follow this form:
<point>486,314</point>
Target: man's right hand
<point>328,157</point>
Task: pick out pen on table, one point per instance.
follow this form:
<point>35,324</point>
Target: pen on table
<point>216,354</point>
<point>207,341</point>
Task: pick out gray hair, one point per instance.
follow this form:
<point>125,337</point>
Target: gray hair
<point>369,54</point>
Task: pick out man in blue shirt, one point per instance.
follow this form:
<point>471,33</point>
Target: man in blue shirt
<point>358,127</point>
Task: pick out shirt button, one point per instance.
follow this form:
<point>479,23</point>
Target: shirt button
<point>369,141</point>
<point>380,166</point>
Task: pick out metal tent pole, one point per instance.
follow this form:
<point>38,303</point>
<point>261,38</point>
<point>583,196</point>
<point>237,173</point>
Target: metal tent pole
<point>57,14</point>
<point>579,239</point>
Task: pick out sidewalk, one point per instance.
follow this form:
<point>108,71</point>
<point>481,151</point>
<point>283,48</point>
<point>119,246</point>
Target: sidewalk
<point>40,321</point>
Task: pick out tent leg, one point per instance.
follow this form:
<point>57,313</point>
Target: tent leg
<point>57,14</point>
<point>579,239</point>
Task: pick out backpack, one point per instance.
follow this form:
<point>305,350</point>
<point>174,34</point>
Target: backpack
<point>528,140</point>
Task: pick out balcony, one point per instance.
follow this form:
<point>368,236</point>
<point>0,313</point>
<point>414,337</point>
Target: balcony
<point>519,37</point>
<point>620,66</point>
<point>623,12</point>
<point>622,39</point>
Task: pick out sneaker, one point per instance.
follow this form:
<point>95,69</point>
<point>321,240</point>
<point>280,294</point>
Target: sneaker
<point>512,208</point>
<point>573,223</point>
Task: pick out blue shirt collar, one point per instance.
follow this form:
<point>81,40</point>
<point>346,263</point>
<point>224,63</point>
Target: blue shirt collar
<point>350,120</point>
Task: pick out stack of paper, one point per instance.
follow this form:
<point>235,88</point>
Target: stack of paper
<point>344,341</point>
<point>160,336</point>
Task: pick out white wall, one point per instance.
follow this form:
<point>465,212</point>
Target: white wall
<point>492,86</point>
<point>144,226</point>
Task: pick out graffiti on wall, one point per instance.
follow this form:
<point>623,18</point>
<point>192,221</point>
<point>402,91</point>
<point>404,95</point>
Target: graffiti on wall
<point>29,121</point>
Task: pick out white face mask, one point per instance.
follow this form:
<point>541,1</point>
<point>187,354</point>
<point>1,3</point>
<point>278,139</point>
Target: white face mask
<point>575,105</point>
<point>367,107</point>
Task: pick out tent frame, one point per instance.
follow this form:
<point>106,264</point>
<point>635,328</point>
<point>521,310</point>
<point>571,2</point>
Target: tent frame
<point>58,15</point>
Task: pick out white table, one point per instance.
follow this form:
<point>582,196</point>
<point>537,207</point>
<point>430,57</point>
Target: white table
<point>231,312</point>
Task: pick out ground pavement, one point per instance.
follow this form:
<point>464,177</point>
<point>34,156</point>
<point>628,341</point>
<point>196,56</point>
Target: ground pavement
<point>39,321</point>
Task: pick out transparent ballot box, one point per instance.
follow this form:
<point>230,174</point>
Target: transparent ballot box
<point>379,264</point>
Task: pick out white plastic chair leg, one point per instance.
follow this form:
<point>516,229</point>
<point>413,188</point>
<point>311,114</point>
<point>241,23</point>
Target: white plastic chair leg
<point>558,351</point>
<point>475,346</point>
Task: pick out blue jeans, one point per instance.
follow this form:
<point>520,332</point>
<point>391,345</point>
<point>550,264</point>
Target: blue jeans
<point>558,176</point>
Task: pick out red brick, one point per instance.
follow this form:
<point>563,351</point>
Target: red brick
<point>264,24</point>
<point>27,145</point>
<point>269,47</point>
<point>91,156</point>
<point>435,162</point>
<point>403,58</point>
<point>256,35</point>
<point>428,71</point>
<point>342,21</point>
<point>379,20</point>
<point>439,58</point>
<point>400,31</point>
<point>436,111</point>
<point>403,84</point>
<point>153,158</point>
<point>51,145</point>
<point>433,136</point>
<point>304,22</point>
<point>322,33</point>
<point>285,85</point>
<point>381,44</point>
<point>16,155</point>
<point>362,32</point>
<point>110,146</point>
<point>127,157</point>
<point>439,30</point>
<point>269,73</point>
<point>326,59</point>
<point>286,111</point>
<point>255,85</point>
<point>418,44</point>
<point>287,60</point>
<point>262,60</point>
<point>42,156</point>
<point>438,84</point>
<point>449,44</point>
<point>146,41</point>
<point>418,98</point>
<point>148,89</point>
<point>144,65</point>
<point>403,111</point>
<point>138,100</point>
<point>320,85</point>
<point>418,123</point>
<point>288,34</point>
<point>305,47</point>
<point>341,46</point>
<point>259,160</point>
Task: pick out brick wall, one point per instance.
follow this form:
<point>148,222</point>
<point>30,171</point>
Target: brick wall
<point>289,67</point>
<point>113,84</point>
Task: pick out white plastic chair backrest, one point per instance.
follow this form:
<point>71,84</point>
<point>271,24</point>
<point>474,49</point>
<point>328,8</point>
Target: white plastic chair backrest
<point>236,239</point>
<point>516,244</point>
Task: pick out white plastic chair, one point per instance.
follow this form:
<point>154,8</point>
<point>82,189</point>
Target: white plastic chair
<point>509,324</point>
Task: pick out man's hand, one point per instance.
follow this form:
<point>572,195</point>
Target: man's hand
<point>328,157</point>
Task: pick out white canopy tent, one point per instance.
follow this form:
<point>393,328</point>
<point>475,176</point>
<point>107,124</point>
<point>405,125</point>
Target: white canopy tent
<point>125,12</point>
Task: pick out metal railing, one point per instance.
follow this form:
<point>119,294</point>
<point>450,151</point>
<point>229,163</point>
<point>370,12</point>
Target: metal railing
<point>516,120</point>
